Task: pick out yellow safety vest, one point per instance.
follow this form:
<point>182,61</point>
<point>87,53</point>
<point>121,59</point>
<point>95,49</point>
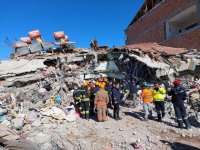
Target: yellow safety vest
<point>159,95</point>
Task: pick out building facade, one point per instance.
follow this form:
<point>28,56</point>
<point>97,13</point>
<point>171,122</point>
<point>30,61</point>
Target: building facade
<point>174,23</point>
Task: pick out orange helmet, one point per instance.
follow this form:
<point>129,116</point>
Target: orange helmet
<point>102,85</point>
<point>85,83</point>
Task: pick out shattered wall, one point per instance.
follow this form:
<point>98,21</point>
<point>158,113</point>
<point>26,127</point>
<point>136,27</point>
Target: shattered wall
<point>151,27</point>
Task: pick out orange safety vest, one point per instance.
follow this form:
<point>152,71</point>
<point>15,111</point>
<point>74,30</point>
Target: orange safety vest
<point>147,96</point>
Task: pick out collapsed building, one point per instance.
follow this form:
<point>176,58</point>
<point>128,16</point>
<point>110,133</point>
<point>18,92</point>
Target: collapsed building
<point>149,62</point>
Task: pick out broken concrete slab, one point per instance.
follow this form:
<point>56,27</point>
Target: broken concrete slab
<point>21,66</point>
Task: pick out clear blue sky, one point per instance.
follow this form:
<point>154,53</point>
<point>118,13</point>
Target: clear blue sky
<point>82,20</point>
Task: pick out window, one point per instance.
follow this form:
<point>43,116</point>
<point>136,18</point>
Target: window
<point>182,22</point>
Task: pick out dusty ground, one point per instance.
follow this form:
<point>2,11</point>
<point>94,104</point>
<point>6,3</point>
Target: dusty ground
<point>113,135</point>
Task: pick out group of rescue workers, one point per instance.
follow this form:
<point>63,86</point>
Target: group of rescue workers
<point>98,96</point>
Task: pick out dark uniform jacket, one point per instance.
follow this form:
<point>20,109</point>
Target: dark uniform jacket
<point>109,90</point>
<point>77,94</point>
<point>85,93</point>
<point>179,95</point>
<point>93,91</point>
<point>133,88</point>
<point>116,96</point>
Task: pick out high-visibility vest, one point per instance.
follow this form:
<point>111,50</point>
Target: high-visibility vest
<point>159,95</point>
<point>85,95</point>
<point>147,96</point>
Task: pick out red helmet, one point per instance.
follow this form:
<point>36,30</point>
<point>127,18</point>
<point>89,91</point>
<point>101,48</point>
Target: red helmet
<point>176,82</point>
<point>92,85</point>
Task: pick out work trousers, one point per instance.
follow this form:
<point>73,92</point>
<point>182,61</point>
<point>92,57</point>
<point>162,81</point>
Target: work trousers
<point>160,109</point>
<point>91,107</point>
<point>181,116</point>
<point>101,114</point>
<point>110,102</point>
<point>116,111</point>
<point>85,109</point>
<point>180,112</point>
<point>147,107</point>
<point>77,105</point>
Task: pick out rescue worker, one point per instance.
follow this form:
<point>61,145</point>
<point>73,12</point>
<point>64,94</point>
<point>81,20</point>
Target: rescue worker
<point>159,94</point>
<point>101,101</point>
<point>108,88</point>
<point>92,97</point>
<point>77,99</point>
<point>93,92</point>
<point>133,92</point>
<point>179,95</point>
<point>116,100</point>
<point>85,101</point>
<point>147,98</point>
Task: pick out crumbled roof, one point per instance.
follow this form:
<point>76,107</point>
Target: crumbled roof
<point>154,47</point>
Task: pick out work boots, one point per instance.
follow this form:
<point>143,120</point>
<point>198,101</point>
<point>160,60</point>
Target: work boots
<point>83,116</point>
<point>159,117</point>
<point>87,116</point>
<point>187,124</point>
<point>180,124</point>
<point>163,114</point>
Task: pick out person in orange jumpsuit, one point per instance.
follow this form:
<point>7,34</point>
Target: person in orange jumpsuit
<point>101,101</point>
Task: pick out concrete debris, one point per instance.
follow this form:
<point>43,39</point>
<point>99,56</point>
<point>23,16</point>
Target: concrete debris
<point>36,98</point>
<point>12,141</point>
<point>2,112</point>
<point>17,123</point>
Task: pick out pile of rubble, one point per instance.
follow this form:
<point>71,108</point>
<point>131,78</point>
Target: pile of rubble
<point>36,93</point>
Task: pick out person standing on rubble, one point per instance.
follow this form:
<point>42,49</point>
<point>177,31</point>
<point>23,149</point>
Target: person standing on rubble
<point>133,92</point>
<point>159,94</point>
<point>179,95</point>
<point>116,100</point>
<point>85,101</point>
<point>147,98</point>
<point>101,101</point>
<point>108,88</point>
<point>92,97</point>
<point>77,99</point>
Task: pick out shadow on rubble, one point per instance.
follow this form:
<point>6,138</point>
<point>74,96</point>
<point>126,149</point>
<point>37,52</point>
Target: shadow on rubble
<point>137,115</point>
<point>178,145</point>
<point>169,124</point>
<point>194,122</point>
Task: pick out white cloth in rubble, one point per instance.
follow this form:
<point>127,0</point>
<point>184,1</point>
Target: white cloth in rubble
<point>71,114</point>
<point>58,113</point>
